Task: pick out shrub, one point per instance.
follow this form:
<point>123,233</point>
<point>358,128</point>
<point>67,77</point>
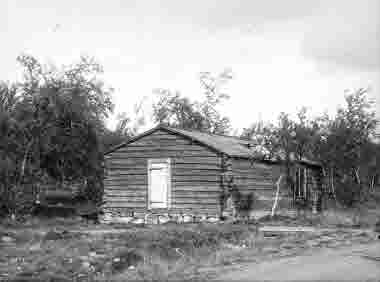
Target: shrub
<point>244,202</point>
<point>348,192</point>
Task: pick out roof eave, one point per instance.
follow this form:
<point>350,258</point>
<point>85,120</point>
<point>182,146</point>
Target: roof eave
<point>169,129</point>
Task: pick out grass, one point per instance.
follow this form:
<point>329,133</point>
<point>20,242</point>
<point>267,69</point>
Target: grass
<point>44,251</point>
<point>172,251</point>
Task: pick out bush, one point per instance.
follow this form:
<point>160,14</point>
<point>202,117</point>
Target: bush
<point>348,192</point>
<point>244,202</point>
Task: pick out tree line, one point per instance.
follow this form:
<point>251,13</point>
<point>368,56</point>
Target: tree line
<point>52,128</point>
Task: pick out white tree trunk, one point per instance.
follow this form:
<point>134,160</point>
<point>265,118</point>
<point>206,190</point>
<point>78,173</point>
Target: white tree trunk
<point>277,196</point>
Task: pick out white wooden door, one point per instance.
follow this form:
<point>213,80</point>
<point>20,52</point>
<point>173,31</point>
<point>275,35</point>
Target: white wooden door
<point>159,184</point>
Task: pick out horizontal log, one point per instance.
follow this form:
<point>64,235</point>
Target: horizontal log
<point>131,171</point>
<point>163,147</point>
<point>175,188</point>
<point>162,154</point>
<point>122,162</point>
<point>195,177</point>
<point>255,178</point>
<point>177,172</point>
<point>254,182</point>
<point>126,183</point>
<point>195,195</point>
<point>131,199</point>
<point>200,166</point>
<point>255,189</point>
<point>205,189</point>
<point>159,141</point>
<point>129,187</point>
<point>126,192</point>
<point>196,184</point>
<point>166,135</point>
<point>115,204</point>
<point>184,172</point>
<point>125,177</point>
<point>143,159</point>
<point>254,171</point>
<point>190,206</point>
<point>140,167</point>
<point>177,166</point>
<point>180,201</point>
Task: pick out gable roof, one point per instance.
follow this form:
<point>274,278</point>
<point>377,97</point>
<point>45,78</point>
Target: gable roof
<point>232,146</point>
<point>229,145</point>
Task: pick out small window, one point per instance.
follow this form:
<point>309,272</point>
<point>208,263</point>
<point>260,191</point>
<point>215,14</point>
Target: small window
<point>159,183</point>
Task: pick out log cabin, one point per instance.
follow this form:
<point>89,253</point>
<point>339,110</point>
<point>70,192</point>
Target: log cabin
<point>174,171</point>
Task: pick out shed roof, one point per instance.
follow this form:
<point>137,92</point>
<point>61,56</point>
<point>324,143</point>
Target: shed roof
<point>229,145</point>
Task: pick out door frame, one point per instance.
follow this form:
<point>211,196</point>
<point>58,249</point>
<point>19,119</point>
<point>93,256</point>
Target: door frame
<point>167,163</point>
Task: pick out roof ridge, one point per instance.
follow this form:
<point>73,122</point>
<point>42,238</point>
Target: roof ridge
<point>208,133</point>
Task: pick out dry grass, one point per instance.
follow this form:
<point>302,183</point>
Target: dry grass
<point>153,253</point>
<point>148,253</point>
<point>48,250</point>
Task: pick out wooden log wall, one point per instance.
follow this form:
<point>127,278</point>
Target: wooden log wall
<point>259,178</point>
<point>195,169</point>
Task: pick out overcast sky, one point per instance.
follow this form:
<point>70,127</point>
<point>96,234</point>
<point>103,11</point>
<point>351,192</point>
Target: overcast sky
<point>283,53</point>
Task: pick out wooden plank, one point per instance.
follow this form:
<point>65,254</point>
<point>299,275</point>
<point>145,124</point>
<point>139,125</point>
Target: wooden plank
<point>163,147</point>
<point>255,181</point>
<point>195,194</point>
<point>165,135</point>
<point>256,187</point>
<point>128,187</point>
<point>254,171</point>
<point>179,186</point>
<point>197,183</point>
<point>120,174</point>
<point>159,142</point>
<point>116,193</point>
<point>124,198</point>
<point>192,201</point>
<point>197,189</point>
<point>185,172</point>
<point>163,154</point>
<point>185,178</point>
<point>176,160</point>
<point>140,167</point>
<point>255,184</point>
<point>186,166</point>
<point>195,206</point>
<point>256,177</point>
<point>126,177</point>
<point>176,167</point>
<point>116,172</point>
<point>125,184</point>
<point>115,204</point>
<point>127,162</point>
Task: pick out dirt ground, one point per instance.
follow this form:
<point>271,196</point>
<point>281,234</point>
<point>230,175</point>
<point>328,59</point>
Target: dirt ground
<point>349,263</point>
<point>72,250</point>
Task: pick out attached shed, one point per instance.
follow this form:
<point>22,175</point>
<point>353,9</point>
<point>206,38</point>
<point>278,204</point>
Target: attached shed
<point>174,171</point>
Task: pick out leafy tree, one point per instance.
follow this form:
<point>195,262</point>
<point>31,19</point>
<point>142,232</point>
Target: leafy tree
<point>345,147</point>
<point>178,111</point>
<point>56,118</point>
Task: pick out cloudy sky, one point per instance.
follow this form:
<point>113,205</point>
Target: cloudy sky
<point>283,53</point>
